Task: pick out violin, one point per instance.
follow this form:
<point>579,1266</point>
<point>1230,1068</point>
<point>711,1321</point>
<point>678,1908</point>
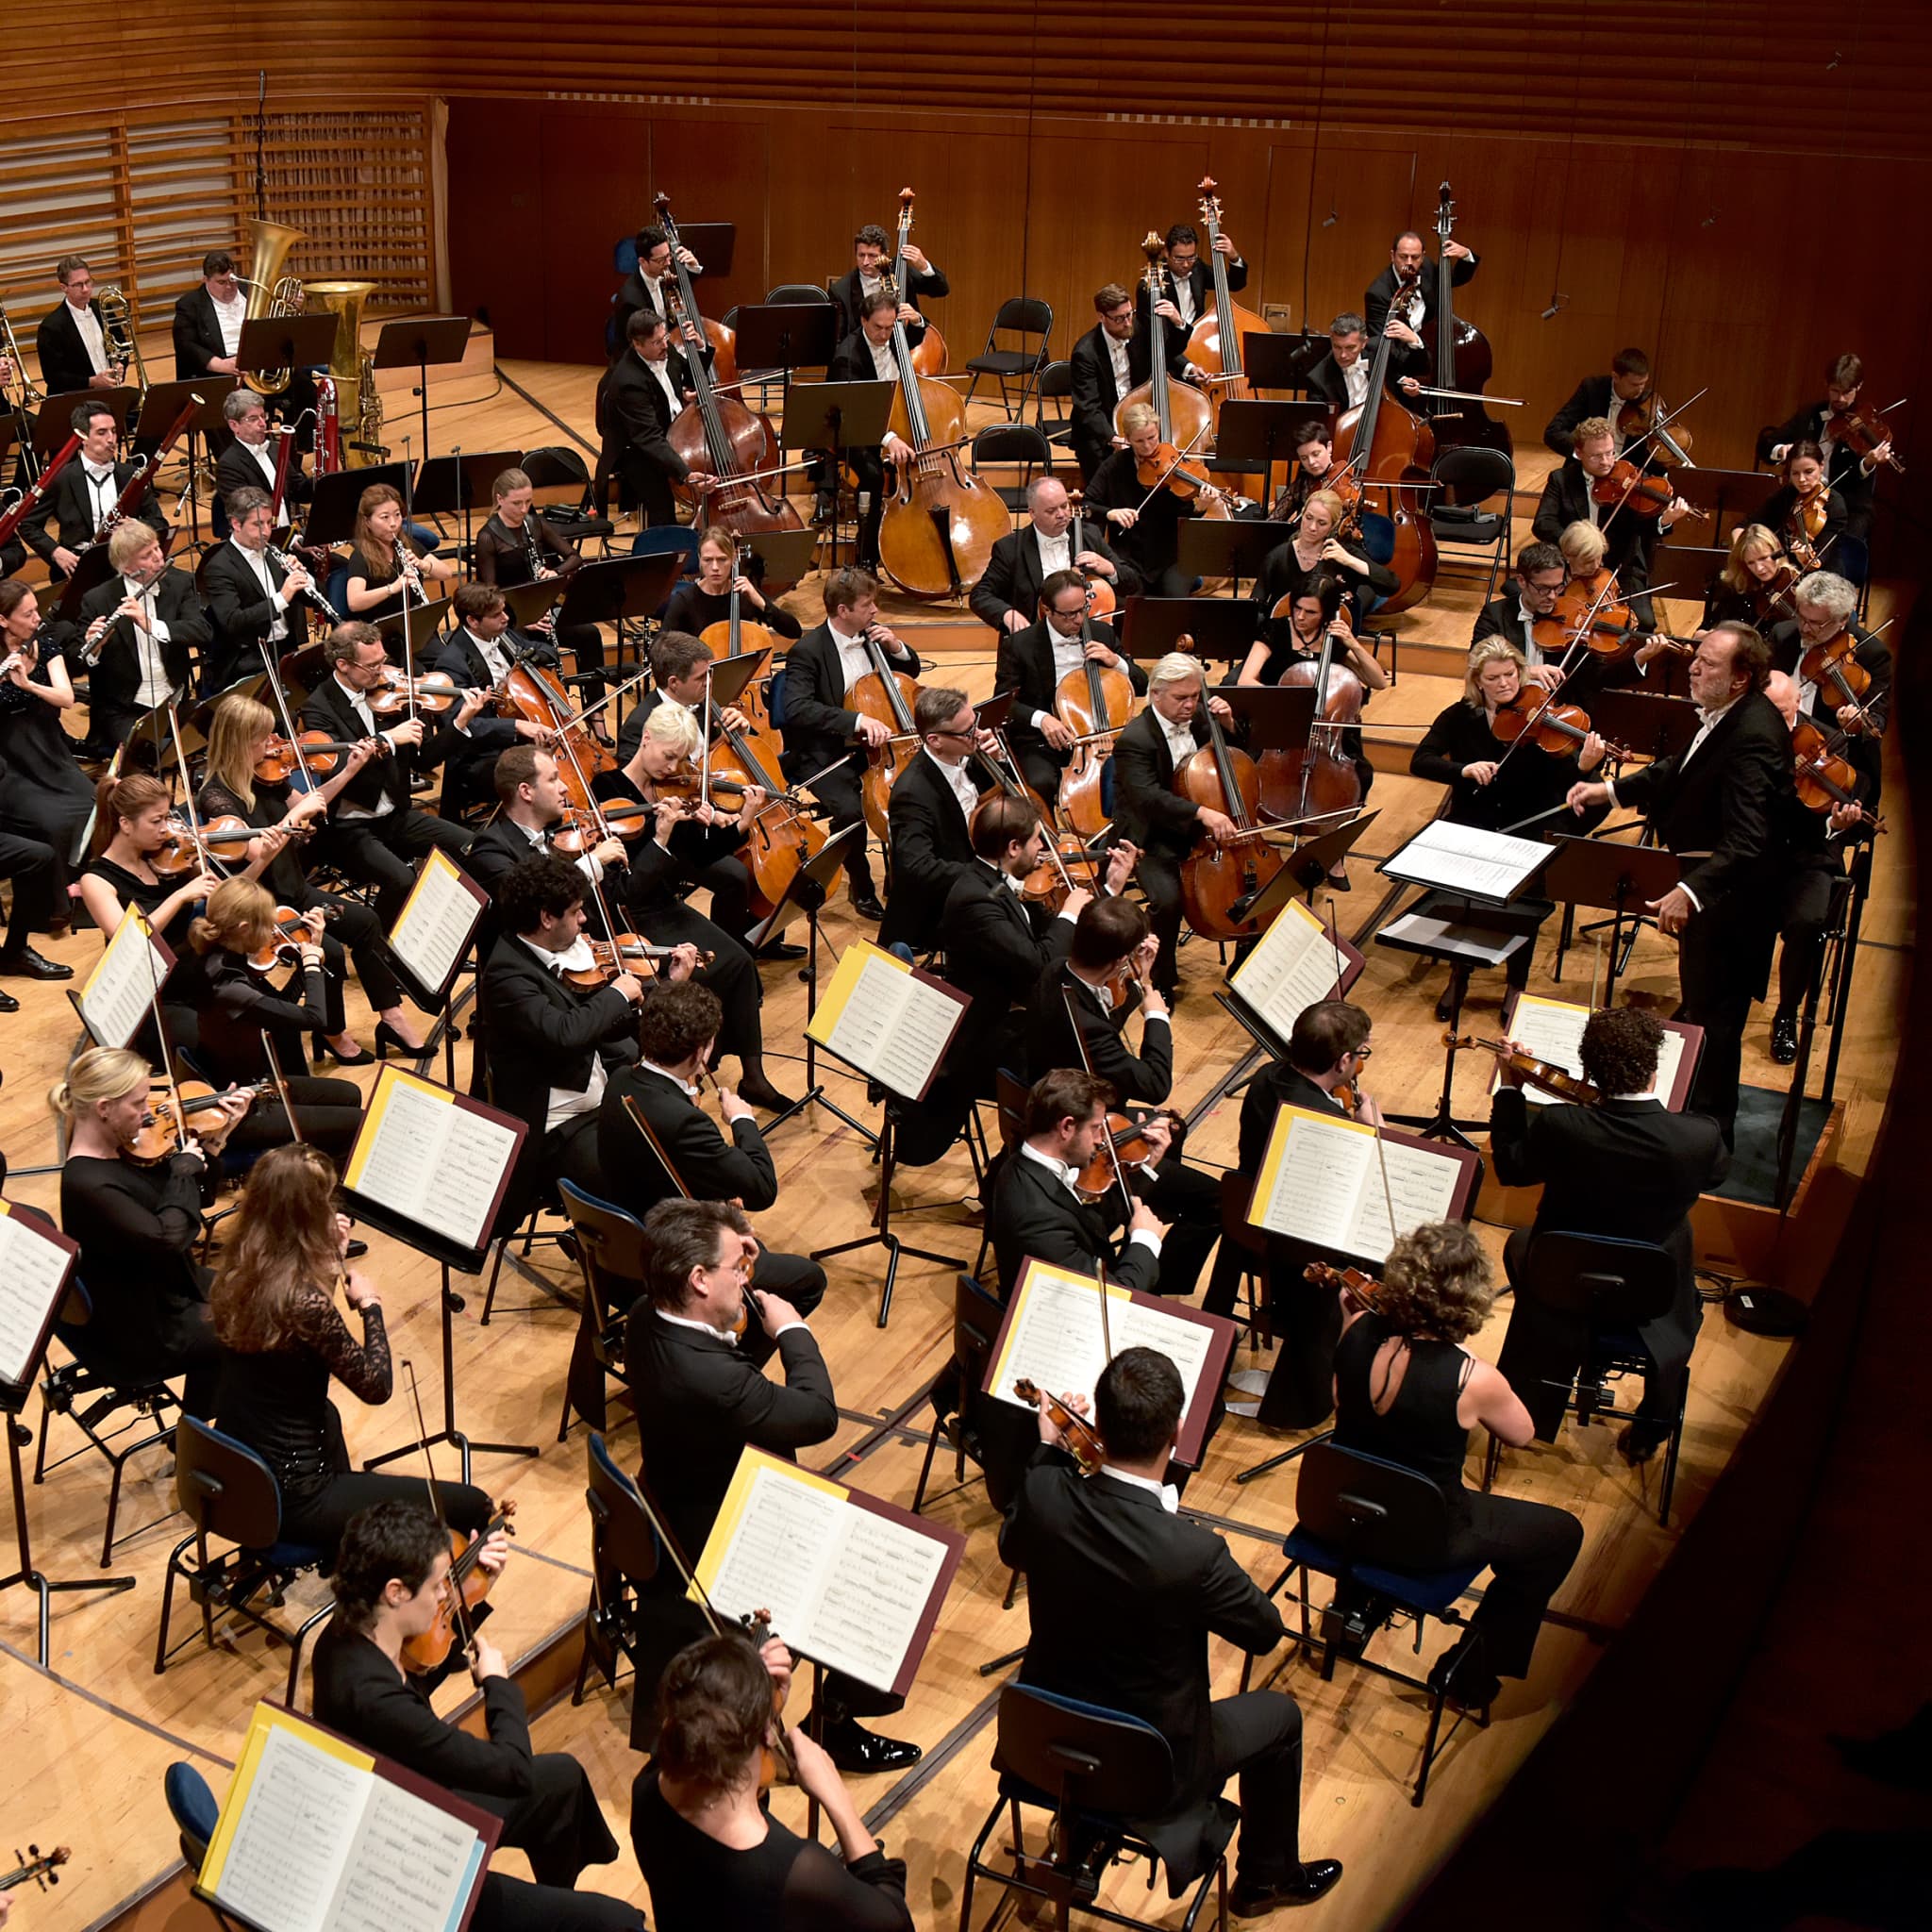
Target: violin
<point>1553,727</point>
<point>466,1587</point>
<point>1526,1066</point>
<point>1639,417</point>
<point>1825,781</point>
<point>1771,601</point>
<point>1862,430</point>
<point>1627,487</point>
<point>1048,884</point>
<point>38,1868</point>
<point>314,751</point>
<point>292,931</point>
<point>434,691</point>
<point>1360,1287</point>
<point>223,841</point>
<point>1126,1132</point>
<point>1082,1440</point>
<point>629,953</point>
<point>1834,665</point>
<point>1220,883</point>
<point>1589,613</point>
<point>1167,466</point>
<point>160,1130</point>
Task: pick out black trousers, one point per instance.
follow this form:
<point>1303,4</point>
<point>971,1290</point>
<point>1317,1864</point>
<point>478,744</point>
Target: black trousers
<point>1529,1548</point>
<point>1306,1321</point>
<point>380,852</point>
<point>330,1113</point>
<point>1190,1201</point>
<point>319,1518</point>
<point>837,791</point>
<point>1158,875</point>
<point>514,1905</point>
<point>1257,1737</point>
<point>1803,921</point>
<point>730,885</point>
<point>1723,955</point>
<point>559,1827</point>
<point>353,928</point>
<point>795,1278</point>
<point>733,975</point>
<point>28,864</point>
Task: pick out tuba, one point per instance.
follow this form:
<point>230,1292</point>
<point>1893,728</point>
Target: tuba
<point>117,331</point>
<point>356,408</point>
<point>271,292</point>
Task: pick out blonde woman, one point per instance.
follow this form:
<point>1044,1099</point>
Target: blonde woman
<point>1144,521</point>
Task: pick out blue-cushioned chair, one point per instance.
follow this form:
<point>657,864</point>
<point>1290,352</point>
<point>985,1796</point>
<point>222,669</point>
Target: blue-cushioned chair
<point>1381,1528</point>
<point>194,1811</point>
<point>230,1493</point>
<point>610,1252</point>
<point>1612,1288</point>
<point>1108,1781</point>
<point>624,1554</point>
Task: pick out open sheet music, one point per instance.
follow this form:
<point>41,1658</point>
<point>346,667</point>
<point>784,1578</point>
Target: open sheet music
<point>35,1263</point>
<point>318,1836</point>
<point>889,1019</point>
<point>1467,860</point>
<point>433,1158</point>
<point>1295,963</point>
<point>118,996</point>
<point>852,1582</point>
<point>1322,1182</point>
<point>1552,1031</point>
<point>433,929</point>
<point>1052,1336</point>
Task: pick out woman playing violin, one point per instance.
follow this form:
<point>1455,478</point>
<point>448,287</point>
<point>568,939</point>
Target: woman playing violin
<point>240,736</point>
<point>138,1223</point>
<point>1806,511</point>
<point>1855,441</point>
<point>517,546</point>
<point>43,793</point>
<point>1143,518</point>
<point>1318,549</point>
<point>1753,586</point>
<point>385,560</point>
<point>682,837</point>
<point>1314,469</point>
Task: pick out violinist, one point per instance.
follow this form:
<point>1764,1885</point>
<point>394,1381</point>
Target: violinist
<point>1191,280</point>
<point>1113,357</point>
<point>866,355</point>
<point>1145,514</point>
<point>374,832</point>
<point>1754,586</point>
<point>239,739</point>
<point>695,606</point>
<point>517,546</point>
<point>479,655</point>
<point>139,625</point>
<point>254,600</point>
<point>1851,475</point>
<point>391,1577</point>
<point>1717,804</point>
<point>931,816</point>
<point>1404,320</point>
<point>643,393</point>
<point>1603,396</point>
<point>1826,606</point>
<point>1568,499</point>
<point>1542,574</point>
<point>138,1223</point>
<point>684,840</point>
<point>1314,469</point>
<point>531,805</point>
<point>1318,551</point>
<point>1806,511</point>
<point>1033,660</point>
<point>646,285</point>
<point>1328,1052</point>
<point>1150,814</point>
<point>1008,596</point>
<point>680,675</point>
<point>243,1003</point>
<point>707,1843</point>
<point>702,1401</point>
<point>254,454</point>
<point>1117,1538</point>
<point>388,565</point>
<point>870,250</point>
<point>282,1338</point>
<point>820,725</point>
<point>1315,614</point>
<point>1628,1168</point>
<point>1342,376</point>
<point>1407,1389</point>
<point>677,1035</point>
<point>43,794</point>
<point>85,491</point>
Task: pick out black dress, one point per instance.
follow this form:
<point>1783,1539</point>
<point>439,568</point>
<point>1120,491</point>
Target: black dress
<point>694,609</point>
<point>137,1227</point>
<point>1152,546</point>
<point>502,557</point>
<point>184,992</point>
<point>1282,575</point>
<point>786,1884</point>
<point>43,793</point>
<point>1285,649</point>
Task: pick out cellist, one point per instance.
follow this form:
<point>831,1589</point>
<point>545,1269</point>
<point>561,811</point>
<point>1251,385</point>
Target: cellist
<point>1314,613</point>
<point>1008,596</point>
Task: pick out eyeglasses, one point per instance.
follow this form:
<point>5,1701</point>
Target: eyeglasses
<point>1364,1051</point>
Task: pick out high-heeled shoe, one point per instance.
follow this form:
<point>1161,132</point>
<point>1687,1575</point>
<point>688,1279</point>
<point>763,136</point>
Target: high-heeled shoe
<point>387,1037</point>
<point>361,1058</point>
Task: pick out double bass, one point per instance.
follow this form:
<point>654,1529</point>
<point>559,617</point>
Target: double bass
<point>930,358</point>
<point>1460,353</point>
<point>1183,413</point>
<point>1220,883</point>
<point>940,521</point>
<point>723,341</point>
<point>1214,346</point>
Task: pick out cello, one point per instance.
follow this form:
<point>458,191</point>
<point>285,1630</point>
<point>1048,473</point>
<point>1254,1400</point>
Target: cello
<point>1317,781</point>
<point>1214,346</point>
<point>723,341</point>
<point>1097,702</point>
<point>735,636</point>
<point>1182,413</point>
<point>1380,441</point>
<point>1219,883</point>
<point>940,521</point>
<point>888,695</point>
<point>782,837</point>
<point>930,358</point>
<point>1461,353</point>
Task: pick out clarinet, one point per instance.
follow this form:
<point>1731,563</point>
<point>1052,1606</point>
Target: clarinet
<point>314,590</point>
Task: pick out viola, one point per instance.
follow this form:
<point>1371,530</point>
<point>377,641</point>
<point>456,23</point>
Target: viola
<point>1462,358</point>
<point>1862,430</point>
<point>1771,600</point>
<point>1220,883</point>
<point>1048,884</point>
<point>1825,781</point>
<point>1834,666</point>
<point>160,1132</point>
<point>434,691</point>
<point>1183,413</point>
<point>1360,1287</point>
<point>1082,1440</point>
<point>1642,416</point>
<point>314,751</point>
<point>629,953</point>
<point>291,930</point>
<point>38,1868</point>
<point>1553,727</point>
<point>1526,1066</point>
<point>1128,1135</point>
<point>467,1586</point>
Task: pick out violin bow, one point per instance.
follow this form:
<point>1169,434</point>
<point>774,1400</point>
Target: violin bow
<point>188,792</point>
<point>275,684</point>
<point>1180,458</point>
<point>274,1070</point>
<point>656,1146</point>
<point>1113,1162</point>
<point>459,1614</point>
<point>153,998</point>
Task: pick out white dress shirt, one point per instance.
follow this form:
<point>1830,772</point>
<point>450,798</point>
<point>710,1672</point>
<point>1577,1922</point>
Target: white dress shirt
<point>1118,350</point>
<point>1068,654</point>
<point>156,686</point>
<point>95,343</point>
<point>964,789</point>
<point>1707,723</point>
<point>279,629</point>
<point>884,367</point>
<point>1180,739</point>
<point>1056,553</point>
<point>1069,1178</point>
<point>653,294</point>
<point>566,1103</point>
<point>1356,378</point>
<point>853,655</point>
<point>102,490</point>
<point>1170,1496</point>
<point>343,809</point>
<point>661,372</point>
<point>264,454</point>
<point>230,316</point>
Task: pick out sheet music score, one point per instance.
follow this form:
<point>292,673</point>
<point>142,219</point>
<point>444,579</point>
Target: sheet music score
<point>1552,1031</point>
<point>1421,1186</point>
<point>33,1271</point>
<point>1292,966</point>
<point>1466,858</point>
<point>887,1021</point>
<point>1321,1182</point>
<point>423,1156</point>
<point>436,921</point>
<point>846,1585</point>
<point>119,994</point>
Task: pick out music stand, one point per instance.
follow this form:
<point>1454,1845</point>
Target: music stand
<point>1234,548</point>
<point>54,422</point>
<point>617,590</point>
<point>787,555</point>
<point>784,336</point>
<point>198,720</point>
<point>729,677</point>
<point>285,342</point>
<point>1251,433</point>
<point>1222,628</point>
<point>332,508</point>
<point>1648,723</point>
<point>165,401</point>
<point>460,482</point>
<point>1308,865</point>
<point>424,623</point>
<point>528,603</point>
<point>836,417</point>
<point>1282,360</point>
<point>92,570</point>
<point>805,894</point>
<point>417,342</point>
<point>1278,716</point>
<point>1608,876</point>
<point>1730,498</point>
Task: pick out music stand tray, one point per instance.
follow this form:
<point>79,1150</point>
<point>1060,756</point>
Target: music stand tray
<point>1278,716</point>
<point>285,342</point>
<point>1235,548</point>
<point>166,400</point>
<point>788,554</point>
<point>1222,628</point>
<point>785,335</point>
<point>1657,725</point>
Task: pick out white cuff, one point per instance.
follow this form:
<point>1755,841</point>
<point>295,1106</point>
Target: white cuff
<point>1691,896</point>
<point>1147,1239</point>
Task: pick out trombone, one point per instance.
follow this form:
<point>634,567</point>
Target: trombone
<point>117,327</point>
<point>19,384</point>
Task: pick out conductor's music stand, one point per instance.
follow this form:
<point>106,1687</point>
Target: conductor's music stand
<point>460,482</point>
<point>1222,628</point>
<point>1652,725</point>
<point>1234,548</point>
<point>416,341</point>
<point>165,401</point>
<point>1254,434</point>
<point>1608,876</point>
<point>836,417</point>
<point>332,508</point>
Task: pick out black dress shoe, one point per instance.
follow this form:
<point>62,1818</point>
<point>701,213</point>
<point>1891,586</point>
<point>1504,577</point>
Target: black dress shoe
<point>8,1003</point>
<point>781,949</point>
<point>1464,1683</point>
<point>867,906</point>
<point>1784,1038</point>
<point>355,1251</point>
<point>27,964</point>
<point>1635,1449</point>
<point>854,1748</point>
<point>1250,1898</point>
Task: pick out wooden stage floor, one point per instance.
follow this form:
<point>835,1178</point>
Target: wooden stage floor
<point>90,1737</point>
